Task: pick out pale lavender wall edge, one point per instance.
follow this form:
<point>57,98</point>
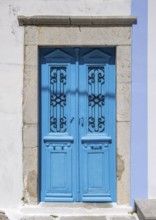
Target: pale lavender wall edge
<point>139,151</point>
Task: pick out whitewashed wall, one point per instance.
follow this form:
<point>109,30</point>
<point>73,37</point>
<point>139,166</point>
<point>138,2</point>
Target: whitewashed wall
<point>11,68</point>
<point>11,77</point>
<point>152,99</point>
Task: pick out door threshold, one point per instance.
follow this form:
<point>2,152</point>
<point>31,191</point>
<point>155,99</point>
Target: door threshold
<point>79,204</point>
<point>75,209</point>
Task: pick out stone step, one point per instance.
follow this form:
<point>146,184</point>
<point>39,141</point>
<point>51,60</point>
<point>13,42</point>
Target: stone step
<point>105,217</point>
<point>146,209</point>
<point>71,211</point>
<point>77,211</point>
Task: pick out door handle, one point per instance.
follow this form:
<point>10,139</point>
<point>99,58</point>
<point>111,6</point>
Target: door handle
<point>72,119</point>
<point>81,121</point>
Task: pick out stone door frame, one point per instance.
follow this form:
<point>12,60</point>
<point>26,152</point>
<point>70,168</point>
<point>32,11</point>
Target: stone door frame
<point>82,32</point>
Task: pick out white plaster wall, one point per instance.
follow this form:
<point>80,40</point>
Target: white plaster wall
<point>11,67</point>
<point>74,7</point>
<point>11,78</point>
<point>152,99</point>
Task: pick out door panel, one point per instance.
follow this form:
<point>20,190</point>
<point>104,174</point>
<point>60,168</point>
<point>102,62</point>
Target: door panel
<point>97,135</point>
<point>58,174</point>
<point>78,157</point>
<point>57,127</point>
<point>96,173</point>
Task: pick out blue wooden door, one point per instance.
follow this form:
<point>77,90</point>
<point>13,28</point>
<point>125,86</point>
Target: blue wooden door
<point>77,124</point>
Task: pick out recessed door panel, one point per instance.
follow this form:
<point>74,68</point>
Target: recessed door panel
<point>58,173</point>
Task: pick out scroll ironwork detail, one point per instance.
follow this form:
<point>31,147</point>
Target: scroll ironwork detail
<point>96,99</point>
<point>58,119</point>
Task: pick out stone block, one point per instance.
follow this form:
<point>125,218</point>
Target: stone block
<point>31,35</point>
<point>123,101</point>
<point>30,101</point>
<point>30,136</point>
<point>146,209</point>
<point>31,55</point>
<point>30,96</point>
<point>30,175</point>
<point>123,162</point>
<point>30,106</point>
<point>3,216</point>
<point>100,36</point>
<point>52,20</point>
<point>30,76</point>
<point>30,157</point>
<point>123,63</point>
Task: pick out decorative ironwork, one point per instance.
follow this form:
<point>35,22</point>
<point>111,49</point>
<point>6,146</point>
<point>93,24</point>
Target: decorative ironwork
<point>96,99</point>
<point>58,119</point>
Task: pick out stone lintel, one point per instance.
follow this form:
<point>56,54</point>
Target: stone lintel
<point>77,20</point>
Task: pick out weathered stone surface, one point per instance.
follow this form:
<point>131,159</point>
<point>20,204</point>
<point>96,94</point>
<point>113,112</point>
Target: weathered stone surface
<point>101,36</point>
<point>76,20</point>
<point>30,76</point>
<point>120,166</point>
<point>30,175</point>
<point>84,36</point>
<point>31,55</point>
<point>39,217</point>
<point>3,216</point>
<point>123,101</point>
<point>146,209</point>
<point>123,162</point>
<point>122,218</point>
<point>76,211</point>
<point>72,217</point>
<point>83,218</point>
<point>30,159</point>
<point>123,62</point>
<point>31,35</point>
<point>30,106</point>
<point>30,136</point>
<point>30,102</point>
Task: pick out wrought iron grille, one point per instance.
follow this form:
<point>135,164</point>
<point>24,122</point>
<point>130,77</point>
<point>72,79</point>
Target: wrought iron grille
<point>96,99</point>
<point>58,119</point>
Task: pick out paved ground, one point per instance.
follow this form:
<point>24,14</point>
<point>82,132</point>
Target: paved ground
<point>122,218</point>
<point>130,217</point>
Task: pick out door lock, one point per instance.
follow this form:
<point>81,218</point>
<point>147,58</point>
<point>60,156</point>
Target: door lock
<point>81,121</point>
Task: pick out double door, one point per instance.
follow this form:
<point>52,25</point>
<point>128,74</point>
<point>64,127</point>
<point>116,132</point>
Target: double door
<point>77,124</point>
